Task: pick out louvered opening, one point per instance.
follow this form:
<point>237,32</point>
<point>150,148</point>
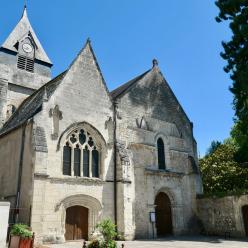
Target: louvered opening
<point>30,65</point>
<point>25,63</point>
<point>21,62</point>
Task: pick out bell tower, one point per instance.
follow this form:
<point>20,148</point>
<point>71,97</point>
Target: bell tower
<point>24,67</point>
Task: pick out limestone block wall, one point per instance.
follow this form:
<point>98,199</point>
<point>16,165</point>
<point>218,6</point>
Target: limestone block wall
<point>10,146</point>
<point>52,196</point>
<point>149,181</point>
<point>220,215</point>
<point>10,150</point>
<point>16,94</point>
<point>145,113</point>
<point>27,177</point>
<point>41,75</point>
<point>4,216</point>
<point>82,101</point>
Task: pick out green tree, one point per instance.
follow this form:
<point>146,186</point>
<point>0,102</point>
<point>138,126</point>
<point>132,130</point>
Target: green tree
<point>221,174</point>
<point>214,145</point>
<point>235,12</point>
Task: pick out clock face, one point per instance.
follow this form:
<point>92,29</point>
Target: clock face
<point>27,48</point>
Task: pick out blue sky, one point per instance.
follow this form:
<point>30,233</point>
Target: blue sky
<point>127,35</point>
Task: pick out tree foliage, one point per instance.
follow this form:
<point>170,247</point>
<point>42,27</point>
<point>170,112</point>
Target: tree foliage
<point>221,174</point>
<point>214,145</point>
<point>236,55</point>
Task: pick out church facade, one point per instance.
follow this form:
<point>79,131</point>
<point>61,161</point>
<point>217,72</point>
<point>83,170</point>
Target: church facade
<point>73,153</point>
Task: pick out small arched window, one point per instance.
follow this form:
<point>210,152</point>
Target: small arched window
<point>81,156</point>
<point>161,155</point>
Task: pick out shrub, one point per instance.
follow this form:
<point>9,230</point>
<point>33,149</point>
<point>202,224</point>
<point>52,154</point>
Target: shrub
<point>21,230</point>
<point>108,232</point>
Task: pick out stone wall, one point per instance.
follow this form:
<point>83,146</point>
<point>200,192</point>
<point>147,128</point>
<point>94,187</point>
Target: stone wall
<point>82,101</point>
<point>146,112</point>
<point>10,146</point>
<point>220,215</point>
<point>18,84</point>
<point>8,70</point>
<point>10,151</point>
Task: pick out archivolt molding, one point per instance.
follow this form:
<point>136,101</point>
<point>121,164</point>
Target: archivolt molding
<point>80,200</point>
<point>170,194</point>
<point>86,126</point>
<point>94,206</point>
<point>176,209</point>
<point>163,136</point>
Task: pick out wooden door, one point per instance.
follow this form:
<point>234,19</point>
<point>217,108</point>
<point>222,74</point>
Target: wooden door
<point>76,224</point>
<point>163,215</point>
<point>245,218</point>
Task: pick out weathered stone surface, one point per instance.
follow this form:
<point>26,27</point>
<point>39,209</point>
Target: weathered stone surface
<point>220,215</point>
<point>76,100</point>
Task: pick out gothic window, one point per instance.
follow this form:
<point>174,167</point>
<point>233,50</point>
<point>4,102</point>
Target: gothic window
<point>161,155</point>
<point>82,147</point>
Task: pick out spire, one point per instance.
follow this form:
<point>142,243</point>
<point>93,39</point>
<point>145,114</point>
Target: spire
<point>22,30</point>
<point>24,13</point>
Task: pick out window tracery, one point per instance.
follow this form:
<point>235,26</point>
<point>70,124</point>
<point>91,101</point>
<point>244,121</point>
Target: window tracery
<point>81,155</point>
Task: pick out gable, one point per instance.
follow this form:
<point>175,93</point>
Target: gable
<point>24,29</point>
<point>151,96</point>
<point>83,88</point>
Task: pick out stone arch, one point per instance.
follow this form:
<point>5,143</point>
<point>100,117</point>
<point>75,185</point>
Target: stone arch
<point>94,206</point>
<point>177,216</point>
<point>170,194</point>
<point>163,213</point>
<point>98,138</point>
<point>83,124</point>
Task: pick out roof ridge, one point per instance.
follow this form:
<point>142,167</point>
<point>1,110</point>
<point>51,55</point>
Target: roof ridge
<point>124,87</point>
<point>21,109</point>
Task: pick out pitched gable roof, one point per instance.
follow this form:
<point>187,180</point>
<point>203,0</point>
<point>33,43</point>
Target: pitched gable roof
<point>125,87</point>
<point>31,105</point>
<point>22,29</point>
<point>120,91</point>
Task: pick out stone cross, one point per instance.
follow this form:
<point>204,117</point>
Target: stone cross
<point>56,114</point>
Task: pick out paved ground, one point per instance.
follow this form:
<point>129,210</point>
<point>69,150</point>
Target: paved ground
<point>182,242</point>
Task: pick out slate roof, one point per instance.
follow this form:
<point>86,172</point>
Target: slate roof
<point>20,31</point>
<point>124,87</point>
<point>32,105</point>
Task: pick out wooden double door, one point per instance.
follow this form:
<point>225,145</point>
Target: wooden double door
<point>76,224</point>
<point>163,215</point>
<point>245,218</point>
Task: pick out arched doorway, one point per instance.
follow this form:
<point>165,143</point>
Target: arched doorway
<point>76,223</point>
<point>163,215</point>
<point>245,218</point>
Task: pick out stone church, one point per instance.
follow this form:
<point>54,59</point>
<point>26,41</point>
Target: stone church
<point>73,153</point>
